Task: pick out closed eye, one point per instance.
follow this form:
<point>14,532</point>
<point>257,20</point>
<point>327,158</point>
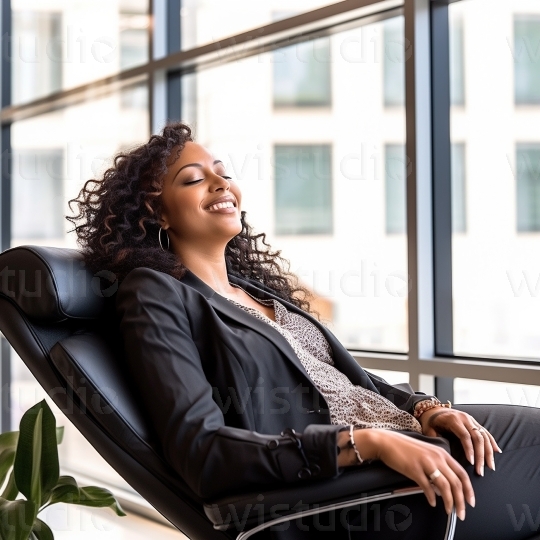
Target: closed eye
<point>193,182</point>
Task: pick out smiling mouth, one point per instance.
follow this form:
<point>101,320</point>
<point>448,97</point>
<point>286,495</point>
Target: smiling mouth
<point>221,206</point>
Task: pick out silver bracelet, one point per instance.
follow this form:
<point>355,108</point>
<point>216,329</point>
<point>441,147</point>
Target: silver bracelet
<point>351,429</point>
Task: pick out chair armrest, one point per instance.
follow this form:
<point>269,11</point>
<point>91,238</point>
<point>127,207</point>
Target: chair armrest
<point>258,509</point>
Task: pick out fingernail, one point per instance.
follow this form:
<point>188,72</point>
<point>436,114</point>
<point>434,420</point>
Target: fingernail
<point>473,501</point>
<point>471,459</point>
<point>482,470</point>
<point>461,515</point>
<point>493,464</point>
<point>500,451</point>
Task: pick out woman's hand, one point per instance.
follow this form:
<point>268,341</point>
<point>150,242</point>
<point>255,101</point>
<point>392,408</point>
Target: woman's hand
<point>420,462</point>
<point>477,442</point>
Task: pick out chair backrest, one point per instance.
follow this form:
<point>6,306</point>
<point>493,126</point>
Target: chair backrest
<point>60,321</point>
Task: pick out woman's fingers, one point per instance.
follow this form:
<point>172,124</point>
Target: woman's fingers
<point>427,487</point>
<point>477,442</point>
<point>433,469</point>
<point>488,448</point>
<point>466,484</point>
<point>451,489</point>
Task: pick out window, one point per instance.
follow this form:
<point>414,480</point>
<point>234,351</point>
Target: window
<point>303,189</point>
<point>459,214</point>
<point>395,189</point>
<point>133,27</point>
<point>63,44</point>
<point>38,194</point>
<point>206,21</point>
<point>37,69</point>
<point>527,59</point>
<point>302,75</point>
<point>457,68</point>
<point>394,64</point>
<point>312,179</point>
<point>495,280</point>
<point>528,187</point>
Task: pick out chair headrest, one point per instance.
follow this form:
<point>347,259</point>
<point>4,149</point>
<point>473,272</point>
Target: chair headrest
<point>53,284</point>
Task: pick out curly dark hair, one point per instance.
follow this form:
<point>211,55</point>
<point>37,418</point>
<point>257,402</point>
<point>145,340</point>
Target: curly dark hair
<point>117,224</point>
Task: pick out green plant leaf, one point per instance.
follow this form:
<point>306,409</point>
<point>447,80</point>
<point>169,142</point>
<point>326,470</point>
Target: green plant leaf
<point>16,519</point>
<point>36,461</point>
<point>35,476</point>
<point>10,491</point>
<point>8,445</point>
<point>7,457</point>
<point>67,491</point>
<point>9,440</point>
<point>42,531</point>
<point>100,498</point>
<point>59,434</point>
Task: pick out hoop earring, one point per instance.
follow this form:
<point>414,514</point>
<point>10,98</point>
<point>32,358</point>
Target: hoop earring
<point>168,240</point>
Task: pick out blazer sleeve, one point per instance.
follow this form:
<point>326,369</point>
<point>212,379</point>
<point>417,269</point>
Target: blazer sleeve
<point>212,458</point>
<point>402,395</point>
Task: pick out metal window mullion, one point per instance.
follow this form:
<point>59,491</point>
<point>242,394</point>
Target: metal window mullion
<point>150,82</point>
<point>442,182</point>
<point>173,29</point>
<point>157,92</point>
<point>439,367</point>
<point>419,200</point>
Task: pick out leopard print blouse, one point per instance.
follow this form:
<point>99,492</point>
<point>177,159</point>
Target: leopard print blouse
<point>349,404</point>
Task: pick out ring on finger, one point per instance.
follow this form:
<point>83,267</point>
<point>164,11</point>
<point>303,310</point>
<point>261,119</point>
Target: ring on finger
<point>434,475</point>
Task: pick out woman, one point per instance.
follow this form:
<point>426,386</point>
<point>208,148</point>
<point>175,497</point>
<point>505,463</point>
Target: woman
<point>227,357</point>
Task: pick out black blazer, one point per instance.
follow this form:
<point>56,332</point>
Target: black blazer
<point>220,386</point>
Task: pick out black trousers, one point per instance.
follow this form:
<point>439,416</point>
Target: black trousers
<point>507,499</point>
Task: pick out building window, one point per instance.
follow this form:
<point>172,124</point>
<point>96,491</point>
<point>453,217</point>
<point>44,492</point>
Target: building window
<point>457,69</point>
<point>303,189</point>
<point>528,187</point>
<point>302,75</point>
<point>395,188</point>
<point>459,212</point>
<point>527,59</point>
<point>393,62</point>
<point>37,198</point>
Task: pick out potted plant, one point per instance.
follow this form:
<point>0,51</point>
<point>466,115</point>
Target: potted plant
<point>29,468</point>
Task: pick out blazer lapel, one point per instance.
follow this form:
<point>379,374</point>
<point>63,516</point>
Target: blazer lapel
<point>231,311</point>
<point>342,358</point>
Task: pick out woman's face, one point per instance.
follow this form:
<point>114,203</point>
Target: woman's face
<point>200,203</point>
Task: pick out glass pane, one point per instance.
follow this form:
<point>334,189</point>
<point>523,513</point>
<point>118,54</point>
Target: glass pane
<point>303,189</point>
<point>313,178</point>
<point>395,187</point>
<point>50,169</point>
<point>205,21</point>
<point>302,75</point>
<point>527,57</point>
<point>496,181</point>
<point>394,66</point>
<point>61,44</point>
<point>479,392</point>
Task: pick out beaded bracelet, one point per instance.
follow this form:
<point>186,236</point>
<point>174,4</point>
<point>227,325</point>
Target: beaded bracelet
<point>422,406</point>
<point>352,443</point>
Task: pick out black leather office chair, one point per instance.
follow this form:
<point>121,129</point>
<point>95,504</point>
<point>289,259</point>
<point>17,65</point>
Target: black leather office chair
<point>59,319</point>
